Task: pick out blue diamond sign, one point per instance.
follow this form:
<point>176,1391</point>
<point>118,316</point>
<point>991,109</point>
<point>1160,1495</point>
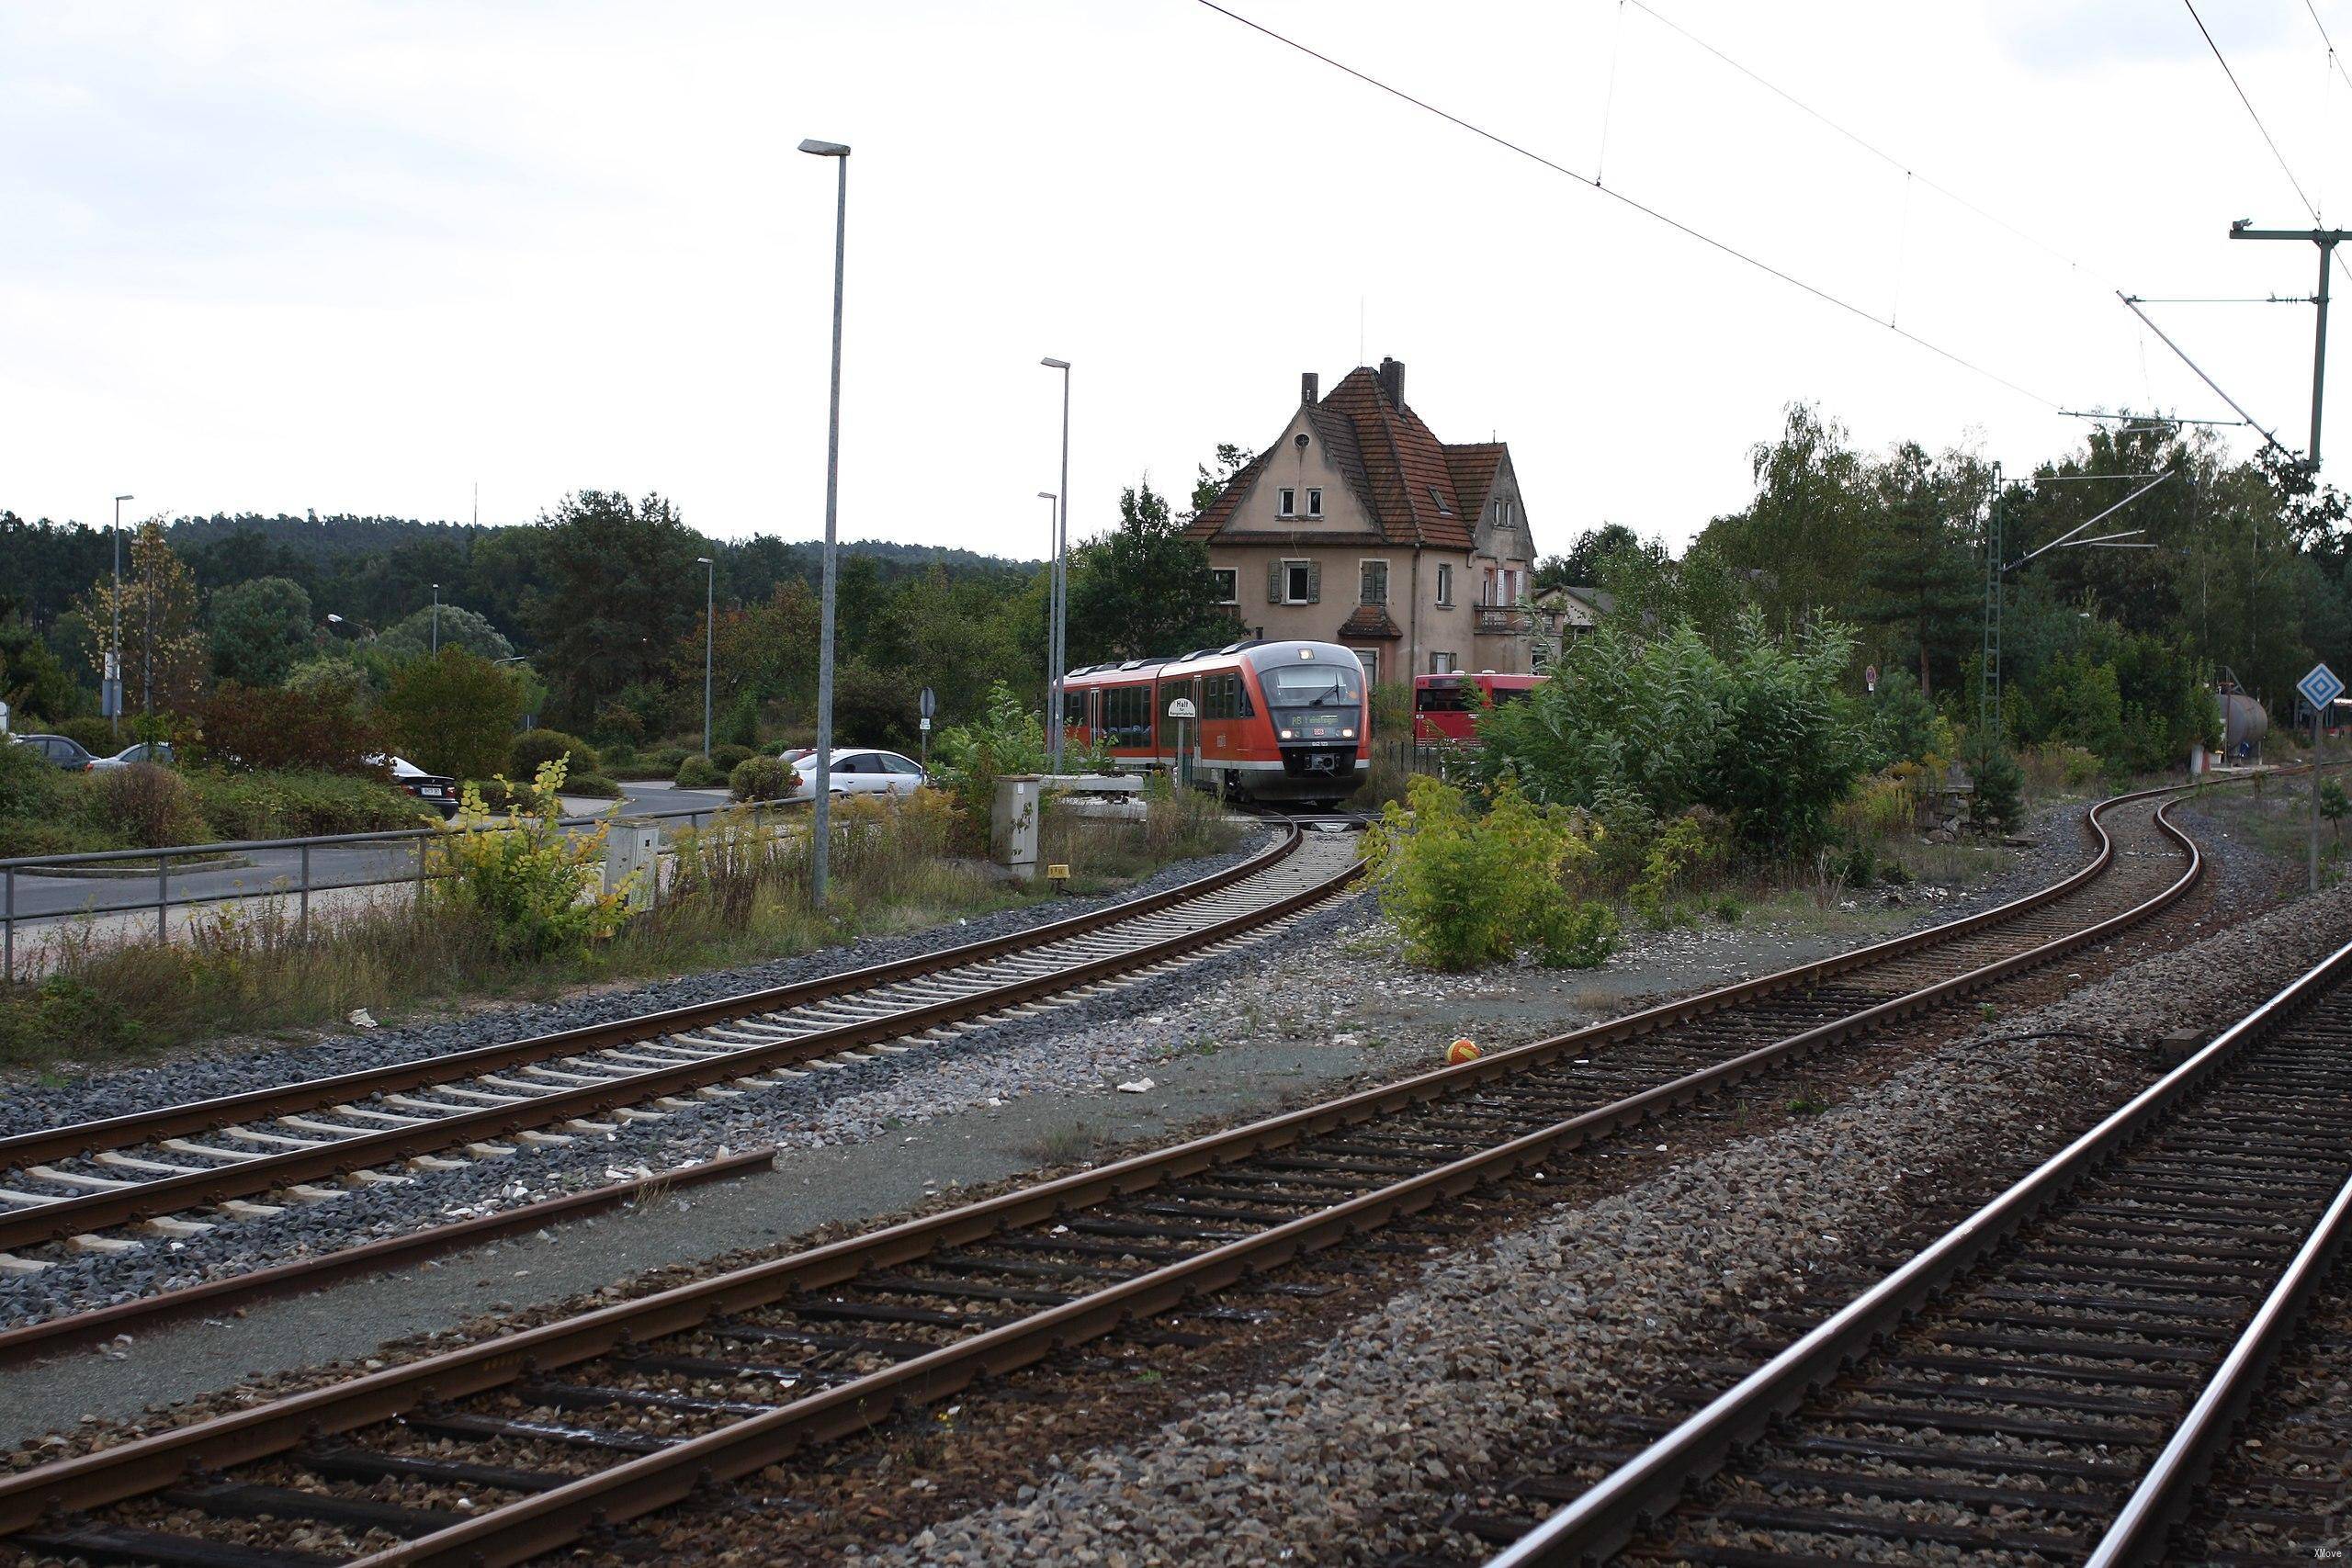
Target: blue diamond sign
<point>2320,688</point>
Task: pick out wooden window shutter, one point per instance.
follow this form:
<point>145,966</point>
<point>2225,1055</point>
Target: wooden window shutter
<point>1315,582</point>
<point>1273,583</point>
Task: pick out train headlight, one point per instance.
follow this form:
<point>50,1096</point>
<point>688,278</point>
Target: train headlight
<point>1347,735</point>
<point>1288,736</point>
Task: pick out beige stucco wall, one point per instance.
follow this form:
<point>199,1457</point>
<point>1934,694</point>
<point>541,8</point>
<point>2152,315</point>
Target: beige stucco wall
<point>1293,468</point>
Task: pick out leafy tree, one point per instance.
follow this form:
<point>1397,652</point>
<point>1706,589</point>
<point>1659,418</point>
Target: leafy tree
<point>33,682</point>
<point>1210,483</point>
<point>1144,588</point>
<point>616,598</point>
<point>260,629</point>
<point>165,654</point>
<point>1580,567</point>
<point>1801,543</point>
<point>1921,578</point>
<point>411,636</point>
<point>453,714</point>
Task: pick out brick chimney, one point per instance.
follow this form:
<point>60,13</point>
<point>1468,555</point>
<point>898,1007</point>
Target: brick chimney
<point>1392,382</point>
<point>1310,387</point>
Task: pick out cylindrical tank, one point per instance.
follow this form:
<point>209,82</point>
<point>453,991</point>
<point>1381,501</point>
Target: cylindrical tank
<point>2244,722</point>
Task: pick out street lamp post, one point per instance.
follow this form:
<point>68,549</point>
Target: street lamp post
<point>821,827</point>
<point>114,675</point>
<point>437,617</point>
<point>1057,654</point>
<point>1053,614</point>
<point>710,598</point>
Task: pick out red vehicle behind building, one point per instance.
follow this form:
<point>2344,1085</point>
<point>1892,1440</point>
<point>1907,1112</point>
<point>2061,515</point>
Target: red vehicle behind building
<point>1444,711</point>
<point>1268,720</point>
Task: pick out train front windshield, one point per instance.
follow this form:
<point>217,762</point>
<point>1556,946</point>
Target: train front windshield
<point>1313,701</point>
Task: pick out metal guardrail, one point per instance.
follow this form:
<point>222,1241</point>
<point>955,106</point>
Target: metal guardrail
<point>163,900</point>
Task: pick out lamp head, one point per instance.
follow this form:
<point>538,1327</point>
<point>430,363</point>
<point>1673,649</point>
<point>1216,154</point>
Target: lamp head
<point>333,619</point>
<point>126,497</point>
<point>825,149</point>
<point>1047,495</point>
<point>702,560</point>
<point>1055,364</point>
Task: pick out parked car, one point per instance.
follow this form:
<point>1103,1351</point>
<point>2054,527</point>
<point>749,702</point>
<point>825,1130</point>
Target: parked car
<point>156,752</point>
<point>62,749</point>
<point>857,772</point>
<point>430,788</point>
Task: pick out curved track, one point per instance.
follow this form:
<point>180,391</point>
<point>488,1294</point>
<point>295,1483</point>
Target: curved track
<point>180,1169</point>
<point>550,1431</point>
<point>2060,1371</point>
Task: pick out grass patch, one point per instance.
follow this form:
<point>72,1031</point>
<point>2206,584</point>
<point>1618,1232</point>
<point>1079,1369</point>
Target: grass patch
<point>738,896</point>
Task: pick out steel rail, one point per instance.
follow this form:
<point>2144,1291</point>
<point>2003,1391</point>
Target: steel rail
<point>1598,1523</point>
<point>310,1094</point>
<point>517,1532</point>
<point>172,1194</point>
<point>33,1341</point>
<point>2141,1531</point>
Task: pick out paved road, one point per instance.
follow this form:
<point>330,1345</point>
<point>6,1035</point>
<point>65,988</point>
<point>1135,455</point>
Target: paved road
<point>277,870</point>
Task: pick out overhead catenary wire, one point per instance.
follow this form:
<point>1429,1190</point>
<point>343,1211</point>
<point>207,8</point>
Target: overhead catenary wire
<point>2269,140</point>
<point>1816,290</point>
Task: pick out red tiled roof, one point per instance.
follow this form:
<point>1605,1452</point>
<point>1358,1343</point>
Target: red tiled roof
<point>1369,621</point>
<point>1406,478</point>
<point>1474,464</point>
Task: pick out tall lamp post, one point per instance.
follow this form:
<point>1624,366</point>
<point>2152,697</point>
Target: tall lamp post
<point>709,599</point>
<point>114,717</point>
<point>1053,611</point>
<point>820,801</point>
<point>1057,650</point>
<point>437,617</point>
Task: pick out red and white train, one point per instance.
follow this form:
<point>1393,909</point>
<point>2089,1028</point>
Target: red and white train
<point>1270,720</point>
<point>1444,711</point>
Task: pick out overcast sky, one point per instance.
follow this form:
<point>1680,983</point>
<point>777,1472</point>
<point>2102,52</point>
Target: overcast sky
<point>357,258</point>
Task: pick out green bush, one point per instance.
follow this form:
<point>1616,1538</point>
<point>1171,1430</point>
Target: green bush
<point>1998,804</point>
<point>740,725</point>
<point>761,778</point>
<point>1760,735</point>
<point>532,747</point>
<point>1467,890</point>
<point>726,759</point>
<point>148,806</point>
<point>669,757</point>
<point>593,785</point>
<point>300,804</point>
<point>697,771</point>
<point>41,807</point>
<point>1686,845</point>
<point>1007,737</point>
<point>524,875</point>
<point>95,735</point>
<point>33,1018</point>
<point>453,713</point>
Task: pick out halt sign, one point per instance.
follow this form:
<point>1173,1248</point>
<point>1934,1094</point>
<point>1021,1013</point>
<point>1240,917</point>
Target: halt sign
<point>2320,688</point>
<point>1182,708</point>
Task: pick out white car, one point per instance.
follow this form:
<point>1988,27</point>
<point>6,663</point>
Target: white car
<point>856,770</point>
<point>156,752</point>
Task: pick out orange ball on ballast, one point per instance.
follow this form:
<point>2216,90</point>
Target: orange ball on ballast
<point>1461,1050</point>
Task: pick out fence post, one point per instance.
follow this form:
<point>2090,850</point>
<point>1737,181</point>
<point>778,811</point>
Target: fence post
<point>163,899</point>
<point>420,872</point>
<point>305,918</point>
<point>9,932</point>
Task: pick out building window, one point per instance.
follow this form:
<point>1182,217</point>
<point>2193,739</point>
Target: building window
<point>1371,661</point>
<point>1374,581</point>
<point>1445,586</point>
<point>1315,503</point>
<point>1229,584</point>
<point>1298,583</point>
<point>1441,664</point>
<point>1285,502</point>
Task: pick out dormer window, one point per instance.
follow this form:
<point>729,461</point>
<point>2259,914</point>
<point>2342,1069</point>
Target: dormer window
<point>1285,502</point>
<point>1439,501</point>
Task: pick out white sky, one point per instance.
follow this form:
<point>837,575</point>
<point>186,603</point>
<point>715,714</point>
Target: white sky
<point>355,257</point>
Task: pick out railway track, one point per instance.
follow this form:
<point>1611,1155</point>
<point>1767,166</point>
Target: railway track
<point>117,1184</point>
<point>551,1432</point>
<point>2052,1380</point>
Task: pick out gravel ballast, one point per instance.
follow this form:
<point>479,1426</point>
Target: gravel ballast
<point>1354,1453</point>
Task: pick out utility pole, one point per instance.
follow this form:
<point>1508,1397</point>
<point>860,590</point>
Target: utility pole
<point>2326,239</point>
<point>820,830</point>
<point>436,619</point>
<point>111,684</point>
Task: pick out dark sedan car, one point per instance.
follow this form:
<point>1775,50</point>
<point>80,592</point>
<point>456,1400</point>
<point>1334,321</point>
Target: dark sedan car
<point>62,749</point>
